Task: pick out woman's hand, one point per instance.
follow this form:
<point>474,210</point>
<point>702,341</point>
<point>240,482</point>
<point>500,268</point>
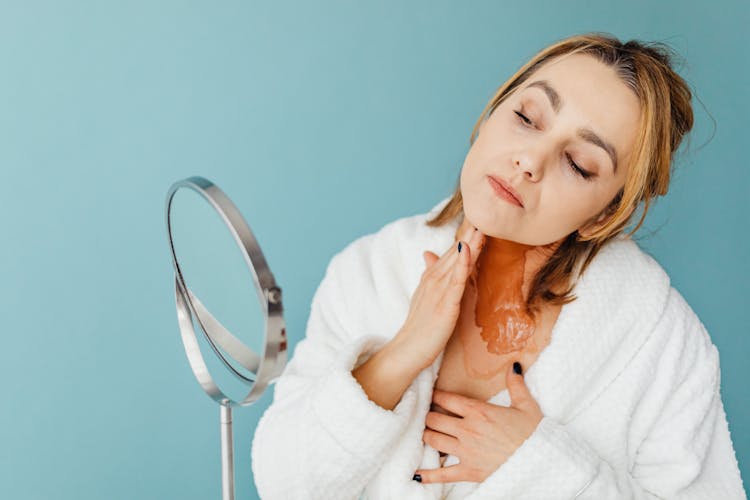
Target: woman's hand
<point>483,436</point>
<point>436,303</point>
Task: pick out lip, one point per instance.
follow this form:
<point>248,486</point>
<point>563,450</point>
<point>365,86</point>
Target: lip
<point>503,188</point>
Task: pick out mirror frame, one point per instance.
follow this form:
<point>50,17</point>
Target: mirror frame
<point>274,356</point>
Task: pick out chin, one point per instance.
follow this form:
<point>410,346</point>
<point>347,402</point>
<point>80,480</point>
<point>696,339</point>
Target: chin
<point>487,216</point>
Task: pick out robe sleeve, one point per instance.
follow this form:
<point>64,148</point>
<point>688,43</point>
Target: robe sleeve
<point>322,437</point>
<point>687,453</point>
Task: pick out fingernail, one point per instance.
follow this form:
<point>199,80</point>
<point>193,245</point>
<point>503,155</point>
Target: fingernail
<point>517,368</point>
<point>417,478</point>
<point>459,247</point>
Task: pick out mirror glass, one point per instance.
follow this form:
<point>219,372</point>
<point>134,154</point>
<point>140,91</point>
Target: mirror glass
<point>222,289</point>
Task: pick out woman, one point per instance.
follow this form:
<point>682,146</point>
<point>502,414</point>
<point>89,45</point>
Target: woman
<point>541,356</point>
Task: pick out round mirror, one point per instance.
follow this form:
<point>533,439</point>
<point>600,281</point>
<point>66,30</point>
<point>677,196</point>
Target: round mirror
<point>229,307</point>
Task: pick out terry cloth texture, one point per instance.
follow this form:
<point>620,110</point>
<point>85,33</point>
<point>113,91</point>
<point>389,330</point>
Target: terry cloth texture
<point>628,385</point>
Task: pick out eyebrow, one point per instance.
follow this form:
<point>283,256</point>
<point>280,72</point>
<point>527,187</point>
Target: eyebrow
<point>584,133</point>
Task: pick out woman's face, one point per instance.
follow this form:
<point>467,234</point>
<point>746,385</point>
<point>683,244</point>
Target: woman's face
<point>591,117</point>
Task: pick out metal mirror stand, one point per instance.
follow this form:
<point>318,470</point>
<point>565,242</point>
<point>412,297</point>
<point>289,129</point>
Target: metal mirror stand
<point>265,367</point>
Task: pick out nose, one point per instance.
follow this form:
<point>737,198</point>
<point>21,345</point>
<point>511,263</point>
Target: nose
<point>530,166</point>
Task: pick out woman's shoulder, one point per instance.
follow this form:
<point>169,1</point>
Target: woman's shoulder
<point>627,262</point>
<point>648,282</point>
<point>623,258</point>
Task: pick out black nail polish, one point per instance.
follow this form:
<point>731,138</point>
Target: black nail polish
<point>417,478</point>
<point>517,368</point>
<point>459,247</point>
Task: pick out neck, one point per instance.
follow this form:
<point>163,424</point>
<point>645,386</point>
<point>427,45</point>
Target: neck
<point>511,266</point>
<point>500,285</point>
<point>508,266</point>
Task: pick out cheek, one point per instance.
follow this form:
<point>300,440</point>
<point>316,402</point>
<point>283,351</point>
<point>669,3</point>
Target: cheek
<point>567,208</point>
<point>473,165</point>
<point>484,159</point>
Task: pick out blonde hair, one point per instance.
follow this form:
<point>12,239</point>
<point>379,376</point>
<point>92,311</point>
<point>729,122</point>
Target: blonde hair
<point>666,116</point>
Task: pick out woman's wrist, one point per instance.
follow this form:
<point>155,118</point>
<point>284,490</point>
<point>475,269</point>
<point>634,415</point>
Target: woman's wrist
<point>387,374</point>
<point>406,356</point>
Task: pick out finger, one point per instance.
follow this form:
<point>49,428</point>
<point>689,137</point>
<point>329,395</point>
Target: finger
<point>476,243</point>
<point>437,270</point>
<point>443,423</point>
<point>450,474</point>
<point>429,258</point>
<point>439,409</point>
<point>447,262</point>
<point>468,231</point>
<point>454,287</point>
<point>456,403</point>
<point>520,396</point>
<point>465,236</point>
<point>441,442</point>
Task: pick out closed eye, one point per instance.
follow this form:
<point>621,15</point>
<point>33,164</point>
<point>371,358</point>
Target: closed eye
<point>526,120</point>
<point>578,170</point>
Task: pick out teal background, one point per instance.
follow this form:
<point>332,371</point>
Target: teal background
<point>323,121</point>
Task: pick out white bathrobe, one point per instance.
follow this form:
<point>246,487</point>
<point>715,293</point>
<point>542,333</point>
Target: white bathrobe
<point>628,385</point>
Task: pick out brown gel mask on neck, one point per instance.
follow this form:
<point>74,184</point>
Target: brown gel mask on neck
<point>497,288</point>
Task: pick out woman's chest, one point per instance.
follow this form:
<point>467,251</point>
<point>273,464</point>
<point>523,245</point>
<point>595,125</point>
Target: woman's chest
<point>470,369</point>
